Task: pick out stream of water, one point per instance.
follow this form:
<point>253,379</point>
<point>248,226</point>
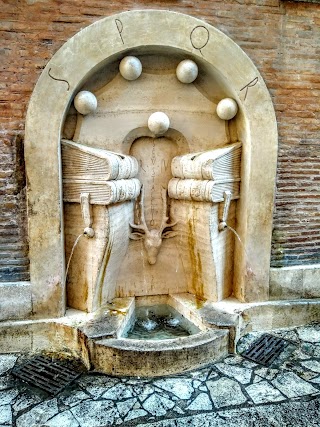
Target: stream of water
<point>71,253</point>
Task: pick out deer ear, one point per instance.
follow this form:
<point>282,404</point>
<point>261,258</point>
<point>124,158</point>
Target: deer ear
<point>169,234</point>
<point>136,236</point>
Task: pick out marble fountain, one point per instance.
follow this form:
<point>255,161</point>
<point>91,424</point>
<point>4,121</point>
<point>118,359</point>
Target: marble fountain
<point>151,145</point>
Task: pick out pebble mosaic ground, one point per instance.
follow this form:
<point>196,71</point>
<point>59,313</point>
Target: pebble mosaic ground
<point>232,392</point>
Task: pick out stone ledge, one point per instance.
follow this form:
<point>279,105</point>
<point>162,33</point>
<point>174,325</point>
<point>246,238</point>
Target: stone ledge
<point>15,301</point>
<point>295,282</point>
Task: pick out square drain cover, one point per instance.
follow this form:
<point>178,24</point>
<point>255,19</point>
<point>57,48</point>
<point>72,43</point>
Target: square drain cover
<point>49,374</point>
<point>265,349</point>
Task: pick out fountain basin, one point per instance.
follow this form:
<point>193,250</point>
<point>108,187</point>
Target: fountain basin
<point>159,322</point>
<point>133,350</point>
<point>148,358</point>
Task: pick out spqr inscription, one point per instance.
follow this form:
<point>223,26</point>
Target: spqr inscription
<point>250,84</point>
<point>199,37</point>
<point>119,26</point>
<point>58,80</point>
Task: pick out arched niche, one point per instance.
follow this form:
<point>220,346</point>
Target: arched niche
<point>75,63</point>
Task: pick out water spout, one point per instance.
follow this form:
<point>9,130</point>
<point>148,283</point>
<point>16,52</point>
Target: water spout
<point>71,254</point>
<point>238,237</point>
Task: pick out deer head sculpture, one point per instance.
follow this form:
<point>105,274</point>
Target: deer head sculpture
<point>152,239</point>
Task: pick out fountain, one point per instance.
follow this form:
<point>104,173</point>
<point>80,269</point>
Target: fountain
<point>151,146</point>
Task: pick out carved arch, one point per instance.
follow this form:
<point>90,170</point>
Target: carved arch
<point>78,59</point>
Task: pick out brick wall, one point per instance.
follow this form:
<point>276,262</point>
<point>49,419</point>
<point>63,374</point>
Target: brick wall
<point>282,39</point>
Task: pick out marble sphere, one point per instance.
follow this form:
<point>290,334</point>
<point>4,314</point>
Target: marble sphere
<point>187,71</point>
<point>227,109</point>
<point>85,102</point>
<point>130,67</point>
<point>158,123</point>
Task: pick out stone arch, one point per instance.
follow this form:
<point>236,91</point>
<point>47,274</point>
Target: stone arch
<point>71,66</point>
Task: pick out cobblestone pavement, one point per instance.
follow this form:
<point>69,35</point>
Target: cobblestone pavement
<point>232,392</point>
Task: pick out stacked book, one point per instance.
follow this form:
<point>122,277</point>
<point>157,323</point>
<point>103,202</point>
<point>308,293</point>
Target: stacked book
<point>205,176</point>
<point>107,176</point>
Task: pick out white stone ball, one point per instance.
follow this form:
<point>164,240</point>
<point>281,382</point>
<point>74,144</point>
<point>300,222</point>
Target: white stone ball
<point>187,71</point>
<point>130,68</point>
<point>158,123</point>
<point>85,102</point>
<point>227,109</point>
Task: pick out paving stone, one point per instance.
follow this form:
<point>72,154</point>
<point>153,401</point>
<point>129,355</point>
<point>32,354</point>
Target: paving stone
<point>287,414</point>
<point>136,413</point>
<point>292,386</point>
<point>201,375</point>
<point>178,410</point>
<point>7,361</point>
<point>135,381</point>
<point>316,380</point>
<point>196,384</point>
<point>93,413</point>
<point>164,423</point>
<point>290,335</point>
<point>125,406</point>
<point>243,375</point>
<point>181,387</point>
<point>300,355</point>
<point>245,341</point>
<point>157,405</point>
<point>38,414</point>
<point>24,400</point>
<point>201,403</point>
<point>6,414</point>
<point>267,373</point>
<point>96,385</point>
<point>7,396</point>
<point>64,419</point>
<point>203,388</point>
<point>118,392</point>
<point>249,364</point>
<point>233,360</point>
<point>225,392</point>
<point>313,365</point>
<point>311,349</point>
<point>316,351</point>
<point>143,391</point>
<point>74,398</point>
<point>309,334</point>
<point>306,375</point>
<point>285,356</point>
<point>213,375</point>
<point>263,392</point>
<point>7,381</point>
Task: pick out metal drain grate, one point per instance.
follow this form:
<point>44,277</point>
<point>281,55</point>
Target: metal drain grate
<point>265,349</point>
<point>50,375</point>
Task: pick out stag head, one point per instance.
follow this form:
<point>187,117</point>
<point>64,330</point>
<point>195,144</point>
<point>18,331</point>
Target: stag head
<point>152,239</point>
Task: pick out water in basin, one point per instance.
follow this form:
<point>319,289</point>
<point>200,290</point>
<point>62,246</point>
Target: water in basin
<point>159,322</point>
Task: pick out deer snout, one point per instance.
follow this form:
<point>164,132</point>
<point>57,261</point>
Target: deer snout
<point>152,245</point>
<point>152,257</point>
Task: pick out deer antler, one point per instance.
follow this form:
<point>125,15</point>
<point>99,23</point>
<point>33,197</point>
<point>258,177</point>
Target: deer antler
<point>165,218</point>
<point>143,226</point>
